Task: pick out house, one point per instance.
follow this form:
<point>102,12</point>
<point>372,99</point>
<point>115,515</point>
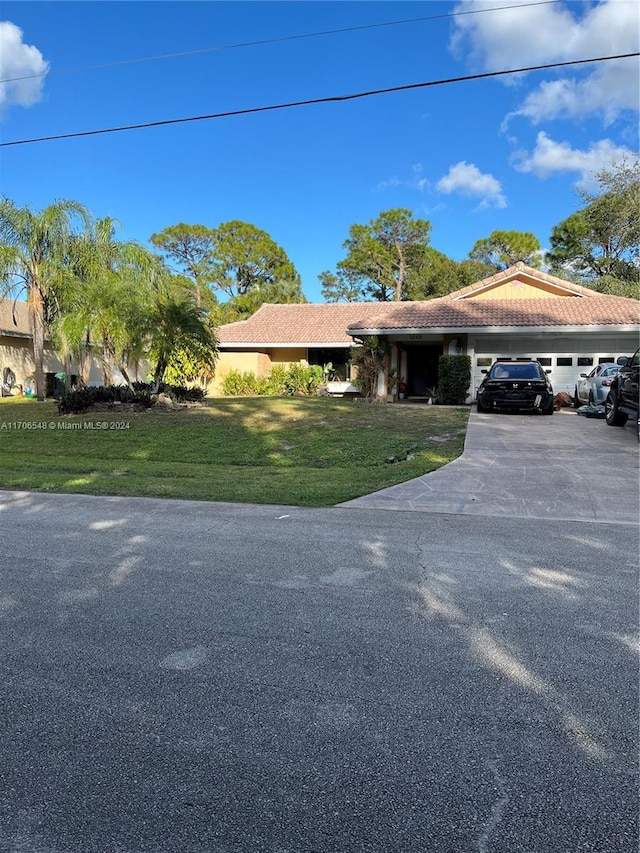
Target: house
<point>517,314</point>
<point>286,334</point>
<point>16,353</point>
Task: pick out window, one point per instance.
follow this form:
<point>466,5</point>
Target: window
<point>516,370</point>
<point>607,359</point>
<point>483,362</point>
<point>562,361</point>
<point>337,358</point>
<point>585,361</point>
<point>544,361</point>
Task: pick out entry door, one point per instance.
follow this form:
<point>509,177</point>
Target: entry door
<point>422,368</point>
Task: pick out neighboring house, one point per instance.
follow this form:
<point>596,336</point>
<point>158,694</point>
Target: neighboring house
<point>16,352</point>
<point>286,334</point>
<point>517,314</point>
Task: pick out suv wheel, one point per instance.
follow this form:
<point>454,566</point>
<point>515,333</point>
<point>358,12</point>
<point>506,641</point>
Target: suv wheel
<point>576,399</point>
<point>612,413</point>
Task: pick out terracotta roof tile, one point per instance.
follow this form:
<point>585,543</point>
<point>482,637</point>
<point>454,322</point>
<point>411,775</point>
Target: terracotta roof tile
<point>289,324</point>
<point>476,313</point>
<point>328,323</point>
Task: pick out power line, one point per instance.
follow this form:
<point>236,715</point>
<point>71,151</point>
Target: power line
<point>326,100</point>
<point>275,40</point>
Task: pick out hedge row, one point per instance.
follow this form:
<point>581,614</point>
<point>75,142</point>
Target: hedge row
<point>78,400</point>
<point>282,381</point>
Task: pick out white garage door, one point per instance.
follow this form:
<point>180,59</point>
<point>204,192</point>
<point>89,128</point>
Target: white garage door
<point>566,364</point>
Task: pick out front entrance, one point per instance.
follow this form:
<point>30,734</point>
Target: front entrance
<point>422,369</point>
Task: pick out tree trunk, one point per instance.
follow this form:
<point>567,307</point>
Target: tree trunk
<point>402,272</point>
<point>125,375</point>
<point>84,363</point>
<point>161,366</point>
<point>36,321</point>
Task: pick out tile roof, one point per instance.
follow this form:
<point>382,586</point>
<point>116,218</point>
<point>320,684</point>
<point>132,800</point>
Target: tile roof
<point>298,324</point>
<point>10,309</point>
<point>597,310</point>
<point>520,271</point>
<point>461,309</point>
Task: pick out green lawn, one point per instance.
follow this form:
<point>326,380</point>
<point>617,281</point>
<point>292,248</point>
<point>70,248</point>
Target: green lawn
<point>306,452</point>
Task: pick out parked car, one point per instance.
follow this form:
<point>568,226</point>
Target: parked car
<point>623,399</point>
<point>516,386</point>
<point>593,388</point>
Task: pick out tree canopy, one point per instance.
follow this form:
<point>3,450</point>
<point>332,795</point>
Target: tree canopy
<point>34,250</point>
<point>383,256</point>
<point>189,247</point>
<point>502,249</point>
<point>245,257</point>
<point>599,244</point>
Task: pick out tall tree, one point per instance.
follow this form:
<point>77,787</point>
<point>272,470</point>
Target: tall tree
<point>384,255</point>
<point>189,248</point>
<point>177,335</point>
<point>111,280</point>
<point>438,275</point>
<point>502,249</point>
<point>34,254</point>
<point>245,257</point>
<point>243,305</point>
<point>336,287</point>
<point>600,243</point>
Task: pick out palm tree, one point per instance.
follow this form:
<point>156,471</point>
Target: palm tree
<point>102,309</point>
<point>178,335</point>
<point>34,257</point>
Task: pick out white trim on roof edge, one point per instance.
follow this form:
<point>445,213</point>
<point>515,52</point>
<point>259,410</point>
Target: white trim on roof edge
<point>507,279</point>
<point>511,330</point>
<point>286,345</point>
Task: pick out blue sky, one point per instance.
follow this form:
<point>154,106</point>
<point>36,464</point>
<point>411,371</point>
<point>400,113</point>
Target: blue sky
<point>469,157</point>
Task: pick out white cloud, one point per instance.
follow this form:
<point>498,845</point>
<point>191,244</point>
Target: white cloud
<point>466,179</point>
<point>550,157</point>
<point>537,35</point>
<point>416,182</point>
<point>19,60</point>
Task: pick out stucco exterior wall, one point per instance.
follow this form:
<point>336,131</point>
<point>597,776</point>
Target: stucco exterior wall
<point>256,362</point>
<point>522,290</point>
<point>16,353</point>
<point>288,355</point>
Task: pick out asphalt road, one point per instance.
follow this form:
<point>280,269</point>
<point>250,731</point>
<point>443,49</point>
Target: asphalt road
<point>183,677</point>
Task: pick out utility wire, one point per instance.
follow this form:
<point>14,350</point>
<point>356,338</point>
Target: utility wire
<point>276,40</point>
<point>327,100</point>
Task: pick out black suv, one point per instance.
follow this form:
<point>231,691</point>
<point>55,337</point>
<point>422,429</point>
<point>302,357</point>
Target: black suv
<point>623,399</point>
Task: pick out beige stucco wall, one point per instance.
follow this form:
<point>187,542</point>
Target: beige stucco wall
<point>518,289</point>
<point>16,353</point>
<point>288,355</point>
<point>256,362</point>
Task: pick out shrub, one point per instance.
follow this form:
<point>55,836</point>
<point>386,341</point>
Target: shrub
<point>277,381</point>
<point>281,381</point>
<point>454,379</point>
<point>77,401</point>
<point>303,379</point>
<point>370,358</point>
<point>238,384</point>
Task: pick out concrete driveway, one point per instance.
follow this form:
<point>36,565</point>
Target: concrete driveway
<point>565,467</point>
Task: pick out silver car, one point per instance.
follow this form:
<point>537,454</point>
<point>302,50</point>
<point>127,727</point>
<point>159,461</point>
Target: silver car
<point>592,388</point>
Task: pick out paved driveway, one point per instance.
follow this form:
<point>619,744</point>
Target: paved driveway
<point>565,467</point>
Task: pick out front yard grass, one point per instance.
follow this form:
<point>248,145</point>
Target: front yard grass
<point>292,451</point>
